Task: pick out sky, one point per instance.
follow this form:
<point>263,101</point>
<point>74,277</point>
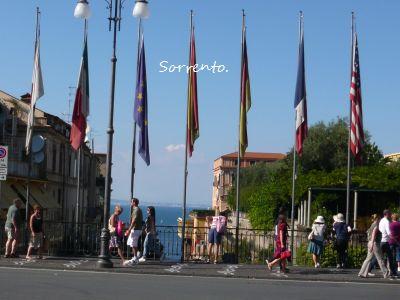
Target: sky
<point>272,41</point>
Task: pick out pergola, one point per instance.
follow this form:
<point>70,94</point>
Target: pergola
<point>304,209</point>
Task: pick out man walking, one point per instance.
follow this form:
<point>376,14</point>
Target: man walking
<point>12,228</point>
<point>384,228</point>
<point>135,230</point>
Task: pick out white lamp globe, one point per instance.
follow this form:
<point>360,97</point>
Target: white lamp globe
<point>82,10</point>
<point>141,9</point>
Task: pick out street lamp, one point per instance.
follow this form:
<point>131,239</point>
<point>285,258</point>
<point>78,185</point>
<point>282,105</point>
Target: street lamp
<point>82,11</point>
<point>141,10</point>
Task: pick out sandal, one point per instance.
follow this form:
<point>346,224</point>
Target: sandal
<point>268,265</point>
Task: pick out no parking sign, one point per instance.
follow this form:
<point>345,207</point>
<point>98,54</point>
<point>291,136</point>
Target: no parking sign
<point>3,162</point>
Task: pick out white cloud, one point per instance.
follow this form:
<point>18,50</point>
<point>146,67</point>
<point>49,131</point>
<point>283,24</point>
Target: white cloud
<point>174,148</point>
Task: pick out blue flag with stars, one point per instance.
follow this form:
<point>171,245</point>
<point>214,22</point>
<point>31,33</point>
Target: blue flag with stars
<point>140,113</point>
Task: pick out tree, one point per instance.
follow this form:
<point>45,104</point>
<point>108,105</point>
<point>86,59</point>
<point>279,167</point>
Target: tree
<point>266,187</point>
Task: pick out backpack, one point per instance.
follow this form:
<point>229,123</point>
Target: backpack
<point>221,224</point>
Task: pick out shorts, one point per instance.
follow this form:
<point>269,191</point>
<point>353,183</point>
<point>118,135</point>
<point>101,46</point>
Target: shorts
<point>133,238</point>
<point>10,233</point>
<point>214,237</point>
<point>36,241</point>
<point>116,241</point>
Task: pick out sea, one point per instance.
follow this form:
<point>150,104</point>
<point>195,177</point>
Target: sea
<point>165,215</point>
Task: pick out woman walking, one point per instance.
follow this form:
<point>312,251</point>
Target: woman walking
<point>36,228</point>
<point>316,237</point>
<point>114,226</point>
<point>374,249</point>
<point>150,228</point>
<point>281,254</point>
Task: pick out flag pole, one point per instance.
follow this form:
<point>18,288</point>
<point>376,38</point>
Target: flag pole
<point>31,135</point>
<point>133,170</point>
<point>238,157</point>
<point>186,156</point>
<point>294,153</point>
<point>350,120</point>
<point>78,190</point>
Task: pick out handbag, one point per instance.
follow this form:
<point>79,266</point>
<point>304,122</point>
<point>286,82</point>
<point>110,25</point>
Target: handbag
<point>286,254</point>
<point>311,236</point>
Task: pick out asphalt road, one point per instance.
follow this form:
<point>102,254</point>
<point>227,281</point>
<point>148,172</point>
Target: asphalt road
<point>32,284</point>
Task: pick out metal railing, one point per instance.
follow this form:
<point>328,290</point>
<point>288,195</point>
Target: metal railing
<point>255,246</point>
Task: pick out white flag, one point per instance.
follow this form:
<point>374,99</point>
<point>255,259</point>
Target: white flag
<point>37,92</point>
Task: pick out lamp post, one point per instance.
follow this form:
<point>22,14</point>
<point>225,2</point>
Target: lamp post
<point>82,11</point>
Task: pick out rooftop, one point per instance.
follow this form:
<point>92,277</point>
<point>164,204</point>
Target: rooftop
<point>257,156</point>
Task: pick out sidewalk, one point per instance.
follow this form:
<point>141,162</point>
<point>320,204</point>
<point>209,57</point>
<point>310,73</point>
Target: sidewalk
<point>196,269</point>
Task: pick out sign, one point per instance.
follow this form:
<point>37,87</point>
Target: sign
<point>3,162</point>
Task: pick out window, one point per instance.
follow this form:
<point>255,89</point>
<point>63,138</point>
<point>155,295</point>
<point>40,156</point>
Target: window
<point>54,164</point>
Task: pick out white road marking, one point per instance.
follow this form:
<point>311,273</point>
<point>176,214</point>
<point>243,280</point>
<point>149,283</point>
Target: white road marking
<point>74,264</point>
<point>229,270</point>
<point>24,262</point>
<point>176,268</point>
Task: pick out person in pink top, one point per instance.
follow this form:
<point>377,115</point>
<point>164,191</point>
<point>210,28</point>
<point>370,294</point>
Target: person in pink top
<point>394,240</point>
<point>217,229</point>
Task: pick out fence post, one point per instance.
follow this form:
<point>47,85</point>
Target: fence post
<point>309,208</point>
<point>355,209</point>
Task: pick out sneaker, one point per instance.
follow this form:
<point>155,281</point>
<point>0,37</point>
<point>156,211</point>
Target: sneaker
<point>13,255</point>
<point>317,265</point>
<point>7,256</point>
<point>142,259</point>
<point>338,266</point>
<point>127,263</point>
<point>398,269</point>
<point>371,274</point>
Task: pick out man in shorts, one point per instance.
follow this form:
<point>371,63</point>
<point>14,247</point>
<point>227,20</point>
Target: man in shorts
<point>135,230</point>
<point>12,228</point>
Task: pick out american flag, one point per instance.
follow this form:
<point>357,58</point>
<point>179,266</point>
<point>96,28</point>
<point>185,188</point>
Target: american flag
<point>357,131</point>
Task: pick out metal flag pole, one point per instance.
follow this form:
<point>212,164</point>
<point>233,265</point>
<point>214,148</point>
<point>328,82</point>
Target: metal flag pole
<point>186,156</point>
<point>238,157</point>
<point>350,120</point>
<point>30,140</point>
<point>134,122</point>
<point>78,190</point>
<point>294,154</point>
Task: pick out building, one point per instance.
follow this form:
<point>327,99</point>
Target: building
<point>224,173</point>
<point>53,180</point>
<point>393,156</point>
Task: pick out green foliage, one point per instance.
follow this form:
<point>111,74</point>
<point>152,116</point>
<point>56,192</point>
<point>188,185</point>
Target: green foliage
<point>355,256</point>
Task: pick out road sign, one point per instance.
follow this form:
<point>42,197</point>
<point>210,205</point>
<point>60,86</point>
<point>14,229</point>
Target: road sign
<point>3,162</point>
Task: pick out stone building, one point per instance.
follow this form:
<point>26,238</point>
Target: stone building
<point>224,172</point>
<point>52,180</point>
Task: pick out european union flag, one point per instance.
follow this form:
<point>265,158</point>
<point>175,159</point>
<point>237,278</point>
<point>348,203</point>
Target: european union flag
<point>140,113</point>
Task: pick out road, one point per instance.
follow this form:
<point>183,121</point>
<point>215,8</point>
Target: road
<point>16,283</point>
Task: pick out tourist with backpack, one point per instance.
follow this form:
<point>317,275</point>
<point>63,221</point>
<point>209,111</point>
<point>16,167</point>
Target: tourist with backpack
<point>217,230</point>
<point>115,226</point>
<point>341,232</point>
<point>316,238</point>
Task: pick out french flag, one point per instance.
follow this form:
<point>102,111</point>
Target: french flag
<point>300,100</point>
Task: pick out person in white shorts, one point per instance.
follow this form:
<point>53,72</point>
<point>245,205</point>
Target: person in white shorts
<point>134,232</point>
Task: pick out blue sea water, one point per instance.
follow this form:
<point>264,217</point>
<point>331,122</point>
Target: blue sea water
<point>165,215</point>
